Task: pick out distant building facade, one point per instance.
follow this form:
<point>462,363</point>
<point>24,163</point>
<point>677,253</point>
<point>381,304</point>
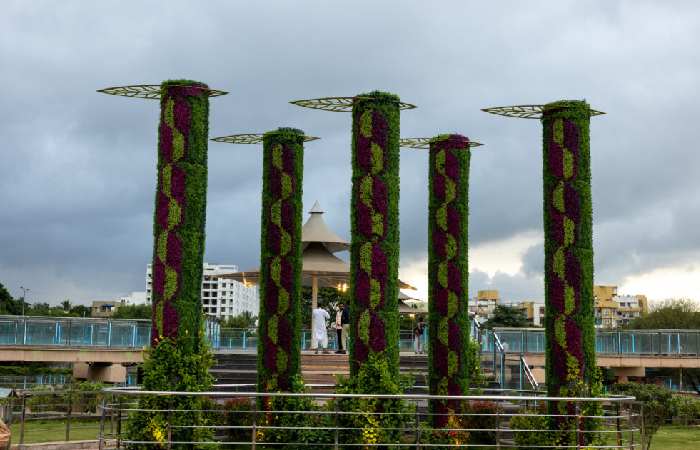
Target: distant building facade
<point>221,297</point>
<point>533,311</point>
<point>484,304</point>
<point>613,310</point>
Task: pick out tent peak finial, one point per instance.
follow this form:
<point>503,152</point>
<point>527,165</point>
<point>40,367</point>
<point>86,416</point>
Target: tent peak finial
<point>316,209</point>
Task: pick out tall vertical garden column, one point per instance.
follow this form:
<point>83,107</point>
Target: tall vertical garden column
<point>448,271</point>
<point>374,252</point>
<point>279,328</point>
<point>569,315</point>
<point>179,357</point>
<point>568,222</point>
<point>280,259</point>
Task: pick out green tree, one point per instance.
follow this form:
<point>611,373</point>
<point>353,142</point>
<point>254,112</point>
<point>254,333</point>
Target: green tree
<point>80,311</point>
<point>680,313</point>
<point>8,305</point>
<point>243,320</point>
<point>657,403</point>
<point>66,305</point>
<point>507,316</point>
<point>133,312</point>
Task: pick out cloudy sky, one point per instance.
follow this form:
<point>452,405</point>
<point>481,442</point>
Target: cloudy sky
<point>77,168</point>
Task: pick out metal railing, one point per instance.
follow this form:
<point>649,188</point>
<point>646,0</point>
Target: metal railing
<point>74,332</point>
<point>673,343</point>
<point>51,414</point>
<point>134,333</point>
<point>343,421</point>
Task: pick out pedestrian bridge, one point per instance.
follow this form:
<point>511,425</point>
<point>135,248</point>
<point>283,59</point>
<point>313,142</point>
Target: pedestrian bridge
<point>99,343</point>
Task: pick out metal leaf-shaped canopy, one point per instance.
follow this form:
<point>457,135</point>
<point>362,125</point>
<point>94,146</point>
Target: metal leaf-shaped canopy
<point>424,143</point>
<point>149,91</point>
<point>337,104</point>
<point>250,138</point>
<point>524,111</point>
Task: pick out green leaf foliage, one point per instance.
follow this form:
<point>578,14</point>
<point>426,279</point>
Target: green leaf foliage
<point>387,105</point>
<point>683,314</point>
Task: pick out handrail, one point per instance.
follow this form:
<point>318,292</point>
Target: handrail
<point>528,373</point>
<point>139,391</point>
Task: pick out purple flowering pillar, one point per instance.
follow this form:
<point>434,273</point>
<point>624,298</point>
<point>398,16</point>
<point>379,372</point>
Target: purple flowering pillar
<point>179,358</point>
<point>448,271</point>
<point>279,329</point>
<point>568,272</point>
<point>569,315</point>
<point>180,216</point>
<point>374,253</point>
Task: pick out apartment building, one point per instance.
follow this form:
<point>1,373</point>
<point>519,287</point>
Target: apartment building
<point>613,310</point>
<point>221,297</point>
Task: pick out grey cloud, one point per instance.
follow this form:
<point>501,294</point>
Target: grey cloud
<point>77,172</point>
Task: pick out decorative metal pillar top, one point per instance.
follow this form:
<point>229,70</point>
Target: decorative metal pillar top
<point>448,270</point>
<point>279,330</point>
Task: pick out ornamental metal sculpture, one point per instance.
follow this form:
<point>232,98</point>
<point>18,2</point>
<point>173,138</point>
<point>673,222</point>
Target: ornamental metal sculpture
<point>448,270</point>
<point>279,327</point>
<point>340,104</point>
<point>151,91</point>
<point>374,250</point>
<point>569,315</point>
<point>179,358</point>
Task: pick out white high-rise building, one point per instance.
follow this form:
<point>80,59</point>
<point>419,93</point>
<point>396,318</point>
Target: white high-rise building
<point>221,297</point>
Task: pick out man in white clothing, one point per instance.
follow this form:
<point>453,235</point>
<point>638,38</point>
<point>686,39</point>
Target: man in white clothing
<point>320,328</point>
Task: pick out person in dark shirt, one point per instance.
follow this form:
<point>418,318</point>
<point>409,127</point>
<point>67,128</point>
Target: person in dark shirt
<point>418,332</point>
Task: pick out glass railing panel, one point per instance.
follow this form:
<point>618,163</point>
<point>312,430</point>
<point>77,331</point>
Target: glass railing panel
<point>122,334</point>
<point>8,332</point>
<point>40,332</point>
<point>689,343</point>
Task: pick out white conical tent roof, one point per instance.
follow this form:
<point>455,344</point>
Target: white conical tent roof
<point>316,230</point>
<point>318,245</point>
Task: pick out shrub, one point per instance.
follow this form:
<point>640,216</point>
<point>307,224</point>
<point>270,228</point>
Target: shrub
<point>657,405</point>
<point>372,420</point>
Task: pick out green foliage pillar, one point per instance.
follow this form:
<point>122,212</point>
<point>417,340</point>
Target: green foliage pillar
<point>374,253</point>
<point>448,249</point>
<point>569,319</point>
<point>179,358</point>
<point>280,260</point>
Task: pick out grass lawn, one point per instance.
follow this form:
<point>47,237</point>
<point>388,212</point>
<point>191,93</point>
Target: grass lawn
<point>55,430</point>
<point>667,438</point>
<point>676,438</point>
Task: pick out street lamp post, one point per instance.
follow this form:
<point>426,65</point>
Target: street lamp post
<point>24,297</point>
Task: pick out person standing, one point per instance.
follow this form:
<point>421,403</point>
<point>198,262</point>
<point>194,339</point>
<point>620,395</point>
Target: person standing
<point>339,328</point>
<point>320,328</point>
<point>418,336</point>
<point>345,322</point>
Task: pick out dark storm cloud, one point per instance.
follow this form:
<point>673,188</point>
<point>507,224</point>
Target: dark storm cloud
<point>78,168</point>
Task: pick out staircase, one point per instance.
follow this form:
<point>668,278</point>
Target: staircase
<point>241,368</point>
